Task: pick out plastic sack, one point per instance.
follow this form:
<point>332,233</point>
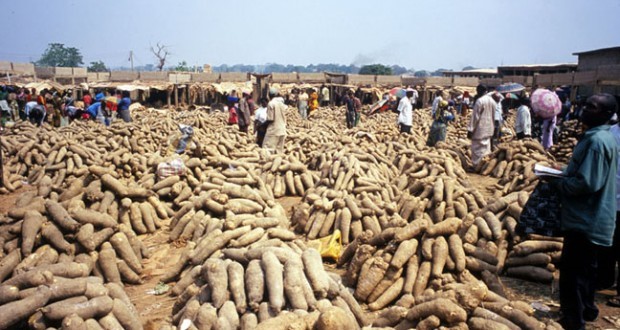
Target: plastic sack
<point>541,213</point>
<point>329,246</point>
<point>179,141</point>
<point>169,168</point>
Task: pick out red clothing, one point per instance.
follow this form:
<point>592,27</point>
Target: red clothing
<point>87,100</point>
<point>232,116</point>
<point>41,100</point>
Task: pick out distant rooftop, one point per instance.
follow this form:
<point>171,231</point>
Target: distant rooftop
<point>473,71</point>
<point>598,50</point>
<point>541,66</point>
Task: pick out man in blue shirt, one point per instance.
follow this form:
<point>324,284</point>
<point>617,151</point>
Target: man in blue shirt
<point>123,107</point>
<point>588,194</point>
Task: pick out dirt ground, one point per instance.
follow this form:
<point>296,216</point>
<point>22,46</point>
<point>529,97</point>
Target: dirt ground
<point>155,309</point>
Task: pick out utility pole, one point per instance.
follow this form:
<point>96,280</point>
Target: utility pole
<point>131,59</point>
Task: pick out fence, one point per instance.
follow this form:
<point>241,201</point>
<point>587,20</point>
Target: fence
<point>605,75</point>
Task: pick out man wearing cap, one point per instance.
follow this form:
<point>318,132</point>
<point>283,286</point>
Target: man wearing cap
<point>276,121</point>
<point>405,112</point>
<point>481,126</point>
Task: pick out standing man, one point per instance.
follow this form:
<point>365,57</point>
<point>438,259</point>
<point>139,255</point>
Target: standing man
<point>276,129</point>
<point>414,98</point>
<point>480,128</point>
<point>324,96</point>
<point>303,104</point>
<point>438,98</point>
<point>588,195</point>
<point>523,125</point>
<point>498,119</point>
<point>349,101</point>
<point>123,107</point>
<point>405,112</point>
<point>357,104</point>
<point>243,113</point>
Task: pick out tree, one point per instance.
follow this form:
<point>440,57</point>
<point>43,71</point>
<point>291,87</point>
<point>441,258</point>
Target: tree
<point>57,54</point>
<point>469,67</point>
<point>378,69</point>
<point>98,66</point>
<point>162,54</point>
<point>398,70</point>
<point>422,74</point>
<point>182,66</point>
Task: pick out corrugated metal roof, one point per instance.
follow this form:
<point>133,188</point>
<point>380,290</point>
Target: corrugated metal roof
<point>597,50</point>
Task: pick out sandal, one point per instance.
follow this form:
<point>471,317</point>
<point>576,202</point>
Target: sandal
<point>614,301</point>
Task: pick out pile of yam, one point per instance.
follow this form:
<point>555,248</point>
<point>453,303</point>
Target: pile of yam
<point>422,247</point>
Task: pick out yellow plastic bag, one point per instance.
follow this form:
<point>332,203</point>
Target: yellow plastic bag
<point>329,246</point>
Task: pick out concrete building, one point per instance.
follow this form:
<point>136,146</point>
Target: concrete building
<point>474,73</point>
<point>529,70</point>
<point>598,71</point>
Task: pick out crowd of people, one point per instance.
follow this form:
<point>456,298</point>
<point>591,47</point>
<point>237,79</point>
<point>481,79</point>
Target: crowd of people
<point>58,108</point>
<point>587,189</point>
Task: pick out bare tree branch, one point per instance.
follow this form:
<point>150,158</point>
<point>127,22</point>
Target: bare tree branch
<point>161,53</point>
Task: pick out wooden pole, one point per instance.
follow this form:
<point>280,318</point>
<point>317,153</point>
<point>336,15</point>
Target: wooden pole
<point>176,96</point>
<point>189,96</point>
<point>168,94</point>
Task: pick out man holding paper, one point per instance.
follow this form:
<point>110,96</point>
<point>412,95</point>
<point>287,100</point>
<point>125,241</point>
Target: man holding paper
<point>588,195</point>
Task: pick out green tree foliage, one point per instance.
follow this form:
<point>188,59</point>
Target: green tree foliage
<point>439,72</point>
<point>469,67</point>
<point>57,54</point>
<point>422,73</point>
<point>398,70</point>
<point>98,66</point>
<point>378,69</point>
<point>182,66</point>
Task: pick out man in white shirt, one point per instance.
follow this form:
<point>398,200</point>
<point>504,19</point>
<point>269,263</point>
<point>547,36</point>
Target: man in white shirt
<point>303,104</point>
<point>405,112</point>
<point>523,124</point>
<point>324,96</point>
<point>438,98</point>
<point>480,128</point>
<point>414,98</point>
<point>276,131</point>
<point>498,119</point>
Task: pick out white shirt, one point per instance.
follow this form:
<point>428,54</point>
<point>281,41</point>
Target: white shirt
<point>436,104</point>
<point>405,110</point>
<point>325,93</point>
<point>524,121</point>
<point>414,97</point>
<point>498,109</point>
<point>615,130</point>
<point>260,115</point>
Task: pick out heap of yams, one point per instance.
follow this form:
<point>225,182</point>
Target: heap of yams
<point>422,246</point>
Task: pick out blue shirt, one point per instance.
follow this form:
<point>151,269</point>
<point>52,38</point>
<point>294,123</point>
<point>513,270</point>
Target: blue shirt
<point>123,104</point>
<point>588,192</point>
<point>93,109</point>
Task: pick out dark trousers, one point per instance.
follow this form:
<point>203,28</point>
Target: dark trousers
<point>350,119</point>
<point>125,115</point>
<point>578,280</point>
<point>405,128</point>
<point>522,135</point>
<point>609,257</point>
<point>497,133</point>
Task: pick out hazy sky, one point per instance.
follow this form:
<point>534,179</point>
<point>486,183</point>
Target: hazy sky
<point>421,34</point>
